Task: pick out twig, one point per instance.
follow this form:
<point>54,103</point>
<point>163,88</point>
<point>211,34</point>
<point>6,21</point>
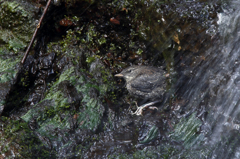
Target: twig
<point>35,33</point>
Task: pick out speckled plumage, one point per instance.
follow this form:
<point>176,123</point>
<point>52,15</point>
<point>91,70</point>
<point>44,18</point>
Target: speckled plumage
<point>145,82</point>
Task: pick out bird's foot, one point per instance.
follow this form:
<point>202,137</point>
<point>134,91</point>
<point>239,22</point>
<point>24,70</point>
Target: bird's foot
<point>139,110</point>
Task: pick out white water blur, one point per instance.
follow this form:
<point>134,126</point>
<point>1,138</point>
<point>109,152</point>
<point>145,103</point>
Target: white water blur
<point>215,85</point>
<point>225,78</point>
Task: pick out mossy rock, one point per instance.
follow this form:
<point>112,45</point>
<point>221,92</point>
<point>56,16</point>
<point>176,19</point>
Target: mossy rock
<point>17,25</point>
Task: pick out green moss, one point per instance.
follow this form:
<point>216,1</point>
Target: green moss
<point>102,40</point>
<point>139,51</point>
<point>18,138</point>
<point>152,134</point>
<point>57,102</point>
<point>8,69</point>
<point>187,131</point>
<point>16,24</point>
<point>50,112</point>
<point>91,59</point>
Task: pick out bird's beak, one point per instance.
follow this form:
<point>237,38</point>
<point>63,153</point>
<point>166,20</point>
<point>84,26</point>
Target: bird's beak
<point>119,75</point>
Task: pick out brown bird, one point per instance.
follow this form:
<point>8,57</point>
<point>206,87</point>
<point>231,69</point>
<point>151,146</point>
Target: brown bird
<point>146,82</point>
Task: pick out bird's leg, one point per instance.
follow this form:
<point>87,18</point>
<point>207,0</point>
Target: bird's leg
<point>140,108</point>
<point>138,111</point>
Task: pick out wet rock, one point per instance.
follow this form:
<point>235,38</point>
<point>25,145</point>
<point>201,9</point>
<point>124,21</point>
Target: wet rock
<point>4,90</point>
<point>71,105</point>
<point>17,24</point>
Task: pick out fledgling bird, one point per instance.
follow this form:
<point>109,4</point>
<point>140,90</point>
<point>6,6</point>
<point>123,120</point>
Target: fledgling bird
<point>146,82</point>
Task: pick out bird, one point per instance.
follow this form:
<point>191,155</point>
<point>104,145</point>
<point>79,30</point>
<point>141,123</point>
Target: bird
<point>145,82</point>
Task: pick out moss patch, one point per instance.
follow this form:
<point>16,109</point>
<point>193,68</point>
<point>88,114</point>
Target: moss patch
<point>17,25</point>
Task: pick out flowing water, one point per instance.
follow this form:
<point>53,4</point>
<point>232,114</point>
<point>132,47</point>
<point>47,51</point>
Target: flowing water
<point>214,90</point>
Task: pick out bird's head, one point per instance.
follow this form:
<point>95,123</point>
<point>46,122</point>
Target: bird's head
<point>129,73</point>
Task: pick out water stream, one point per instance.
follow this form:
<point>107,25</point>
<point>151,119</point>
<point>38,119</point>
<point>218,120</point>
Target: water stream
<point>214,90</point>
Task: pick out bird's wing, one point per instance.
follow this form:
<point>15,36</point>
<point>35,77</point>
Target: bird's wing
<point>146,83</point>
